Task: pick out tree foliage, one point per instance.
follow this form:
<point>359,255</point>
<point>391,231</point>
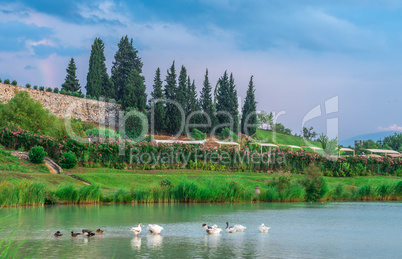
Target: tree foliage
<point>159,108</point>
<point>126,61</point>
<point>71,82</point>
<point>249,113</point>
<point>173,117</point>
<point>207,103</point>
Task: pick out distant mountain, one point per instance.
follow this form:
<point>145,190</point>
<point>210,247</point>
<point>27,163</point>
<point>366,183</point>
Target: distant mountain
<point>374,136</point>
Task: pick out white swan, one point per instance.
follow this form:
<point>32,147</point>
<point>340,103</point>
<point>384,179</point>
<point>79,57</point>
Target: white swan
<point>230,229</point>
<point>263,228</point>
<point>239,228</point>
<point>211,230</point>
<point>154,229</point>
<point>137,229</point>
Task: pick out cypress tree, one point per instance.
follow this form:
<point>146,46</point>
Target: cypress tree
<point>181,96</point>
<point>207,104</point>
<point>159,109</point>
<point>126,61</point>
<point>234,109</point>
<point>134,95</point>
<point>193,104</point>
<point>96,70</point>
<point>172,114</point>
<point>250,106</point>
<point>223,99</point>
<point>71,82</point>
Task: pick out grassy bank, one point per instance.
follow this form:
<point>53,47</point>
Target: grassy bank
<point>22,183</point>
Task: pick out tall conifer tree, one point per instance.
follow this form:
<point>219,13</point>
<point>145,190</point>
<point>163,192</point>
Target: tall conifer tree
<point>234,104</point>
<point>159,108</point>
<point>192,102</point>
<point>223,99</point>
<point>126,61</point>
<point>250,107</point>
<point>71,82</point>
<point>207,104</point>
<point>97,69</point>
<point>134,95</point>
<point>172,115</point>
<point>181,96</point>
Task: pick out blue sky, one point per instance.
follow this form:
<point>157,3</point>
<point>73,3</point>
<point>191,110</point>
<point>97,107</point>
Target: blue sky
<point>301,53</point>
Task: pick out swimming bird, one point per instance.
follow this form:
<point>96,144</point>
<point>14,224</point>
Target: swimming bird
<point>263,228</point>
<point>154,229</point>
<point>137,229</point>
<point>239,228</point>
<point>211,230</point>
<point>86,230</point>
<point>58,234</point>
<point>99,231</point>
<point>230,229</point>
<point>75,234</point>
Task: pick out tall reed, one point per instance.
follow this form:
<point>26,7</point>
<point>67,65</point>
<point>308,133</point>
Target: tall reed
<point>22,193</point>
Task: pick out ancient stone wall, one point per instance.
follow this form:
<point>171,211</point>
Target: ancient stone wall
<point>64,105</point>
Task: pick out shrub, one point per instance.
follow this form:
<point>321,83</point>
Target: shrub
<point>41,88</point>
<point>14,82</point>
<point>89,96</point>
<point>165,182</point>
<point>94,132</point>
<point>82,95</point>
<point>68,160</point>
<point>227,134</point>
<point>37,154</point>
<point>28,85</point>
<point>63,91</point>
<point>56,90</point>
<point>49,90</point>
<point>7,81</point>
<point>76,94</point>
<point>69,93</point>
<point>35,87</point>
<point>315,184</point>
<point>136,126</point>
<point>198,135</point>
<point>94,98</point>
<point>0,80</point>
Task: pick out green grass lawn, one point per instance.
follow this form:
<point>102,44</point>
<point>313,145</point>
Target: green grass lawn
<point>278,138</point>
<point>12,169</point>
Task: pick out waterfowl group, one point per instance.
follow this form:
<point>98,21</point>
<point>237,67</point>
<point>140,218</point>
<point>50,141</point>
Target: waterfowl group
<point>155,229</point>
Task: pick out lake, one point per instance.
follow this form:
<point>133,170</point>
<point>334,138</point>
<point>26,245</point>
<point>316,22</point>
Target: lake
<point>298,230</point>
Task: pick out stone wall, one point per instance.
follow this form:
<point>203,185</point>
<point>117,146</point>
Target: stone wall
<point>64,105</point>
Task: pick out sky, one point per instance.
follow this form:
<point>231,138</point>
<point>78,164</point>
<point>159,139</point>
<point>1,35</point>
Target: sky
<point>332,65</point>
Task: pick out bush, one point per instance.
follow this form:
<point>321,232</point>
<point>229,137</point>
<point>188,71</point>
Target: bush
<point>198,135</point>
<point>69,93</point>
<point>68,160</point>
<point>315,184</point>
<point>7,81</point>
<point>41,88</point>
<point>94,132</point>
<point>28,85</point>
<point>89,96</point>
<point>35,87</point>
<point>0,80</point>
<point>76,94</point>
<point>49,90</point>
<point>229,135</point>
<point>27,113</point>
<point>37,154</point>
<point>82,95</point>
<point>14,82</point>
<point>56,90</point>
<point>63,91</point>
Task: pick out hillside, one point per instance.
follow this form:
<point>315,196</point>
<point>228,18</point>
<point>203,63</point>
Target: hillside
<point>278,138</point>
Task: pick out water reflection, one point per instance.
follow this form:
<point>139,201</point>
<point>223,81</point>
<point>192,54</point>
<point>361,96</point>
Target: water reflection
<point>154,241</point>
<point>136,243</point>
<point>212,241</point>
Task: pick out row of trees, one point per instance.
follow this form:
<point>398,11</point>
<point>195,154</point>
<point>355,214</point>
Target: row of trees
<point>218,108</point>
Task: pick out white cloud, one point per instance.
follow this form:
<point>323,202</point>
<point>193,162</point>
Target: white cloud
<point>392,127</point>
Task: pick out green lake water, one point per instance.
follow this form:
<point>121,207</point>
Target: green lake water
<point>298,230</point>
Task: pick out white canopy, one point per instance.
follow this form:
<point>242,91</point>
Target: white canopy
<point>385,151</point>
<point>346,149</point>
<point>227,143</point>
<point>314,148</point>
<point>266,144</point>
<point>171,141</point>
